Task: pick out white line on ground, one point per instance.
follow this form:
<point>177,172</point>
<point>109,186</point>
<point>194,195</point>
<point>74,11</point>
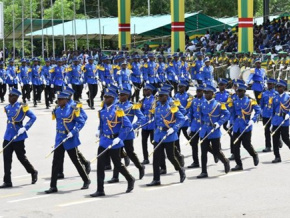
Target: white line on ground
<point>16,177</point>
<point>232,174</point>
<point>27,199</point>
<point>78,202</point>
<point>162,187</point>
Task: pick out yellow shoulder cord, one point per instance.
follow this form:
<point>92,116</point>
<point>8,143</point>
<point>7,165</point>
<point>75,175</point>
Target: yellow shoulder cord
<point>112,123</point>
<point>14,118</point>
<point>167,122</point>
<point>68,120</point>
<point>210,114</point>
<point>245,112</point>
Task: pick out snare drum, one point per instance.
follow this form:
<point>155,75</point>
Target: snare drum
<point>235,71</point>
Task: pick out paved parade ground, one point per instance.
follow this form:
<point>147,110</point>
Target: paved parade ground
<point>261,191</point>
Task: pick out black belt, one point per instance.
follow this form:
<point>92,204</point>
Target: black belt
<point>113,136</point>
<point>62,132</point>
<point>15,122</point>
<point>161,128</point>
<point>92,77</point>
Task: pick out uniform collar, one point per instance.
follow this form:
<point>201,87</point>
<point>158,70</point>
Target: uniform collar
<point>209,101</point>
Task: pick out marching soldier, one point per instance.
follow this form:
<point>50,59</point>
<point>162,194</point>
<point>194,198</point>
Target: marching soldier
<point>196,67</point>
<point>194,117</point>
<point>69,123</point>
<point>170,72</point>
<point>168,120</point>
<point>213,116</point>
<point>136,78</point>
<point>148,129</point>
<point>241,110</point>
<point>106,76</point>
<point>91,80</point>
<point>258,76</point>
<point>37,83</point>
<point>15,136</point>
<point>57,77</point>
<point>223,96</point>
<point>12,76</point>
<point>176,66</point>
<point>113,130</point>
<point>280,121</point>
<point>75,79</point>
<point>130,110</point>
<point>207,72</point>
<point>3,86</point>
<point>123,77</point>
<point>161,71</point>
<point>25,80</point>
<point>46,75</point>
<point>152,70</point>
<point>266,104</point>
<point>184,69</point>
<point>185,100</point>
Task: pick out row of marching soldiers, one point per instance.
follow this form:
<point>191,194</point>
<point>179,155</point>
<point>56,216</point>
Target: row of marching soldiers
<point>162,119</point>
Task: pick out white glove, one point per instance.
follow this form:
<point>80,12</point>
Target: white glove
<point>186,118</point>
<point>21,131</point>
<point>104,84</point>
<point>30,83</point>
<point>251,122</point>
<point>44,82</point>
<point>1,80</point>
<point>21,84</point>
<point>98,133</point>
<point>147,82</point>
<point>116,141</point>
<point>271,128</point>
<point>69,135</point>
<point>130,82</point>
<point>165,76</point>
<point>52,86</point>
<point>228,125</point>
<point>86,86</point>
<point>11,77</point>
<point>287,117</point>
<point>81,80</point>
<point>69,85</point>
<point>170,131</point>
<point>188,131</point>
<point>216,126</point>
<point>176,78</point>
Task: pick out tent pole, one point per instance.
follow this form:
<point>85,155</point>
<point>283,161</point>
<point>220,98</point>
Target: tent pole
<point>85,10</point>
<point>13,26</point>
<point>63,32</point>
<point>31,29</point>
<point>52,23</point>
<point>75,27</point>
<point>22,29</point>
<point>42,37</point>
<point>99,17</point>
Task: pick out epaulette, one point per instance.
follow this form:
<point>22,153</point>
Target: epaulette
<point>118,72</point>
<point>83,67</point>
<point>145,65</point>
<point>174,109</point>
<point>29,70</point>
<point>171,64</point>
<point>223,106</point>
<point>177,102</point>
<point>102,104</point>
<point>260,95</point>
<point>120,112</point>
<point>51,70</point>
<point>101,68</point>
<point>189,101</point>
<point>25,107</point>
<point>271,100</point>
<point>253,102</point>
<point>79,104</point>
<point>76,110</point>
<point>137,106</point>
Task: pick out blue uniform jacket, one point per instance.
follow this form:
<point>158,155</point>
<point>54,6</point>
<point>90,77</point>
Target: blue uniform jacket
<point>11,73</point>
<point>184,74</point>
<point>147,110</point>
<point>132,110</point>
<point>194,113</point>
<point>90,74</point>
<point>266,102</point>
<point>207,75</point>
<point>15,115</point>
<point>113,124</point>
<point>170,72</point>
<point>24,75</point>
<point>195,70</point>
<point>185,100</point>
<point>281,107</point>
<point>46,74</point>
<point>3,75</point>
<point>151,72</point>
<point>123,78</point>
<point>106,73</point>
<point>258,77</point>
<point>36,76</point>
<point>75,75</point>
<point>136,75</point>
<point>68,119</point>
<point>241,110</point>
<point>166,117</point>
<point>161,72</point>
<point>57,76</point>
<point>212,112</point>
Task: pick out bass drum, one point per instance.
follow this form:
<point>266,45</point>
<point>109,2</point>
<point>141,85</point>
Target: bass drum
<point>235,71</point>
<point>245,75</point>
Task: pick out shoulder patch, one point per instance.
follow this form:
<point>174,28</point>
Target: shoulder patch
<point>253,102</point>
<point>223,106</point>
<point>25,108</point>
<point>120,112</point>
<point>177,102</point>
<point>174,109</point>
<point>137,106</point>
<point>77,111</point>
